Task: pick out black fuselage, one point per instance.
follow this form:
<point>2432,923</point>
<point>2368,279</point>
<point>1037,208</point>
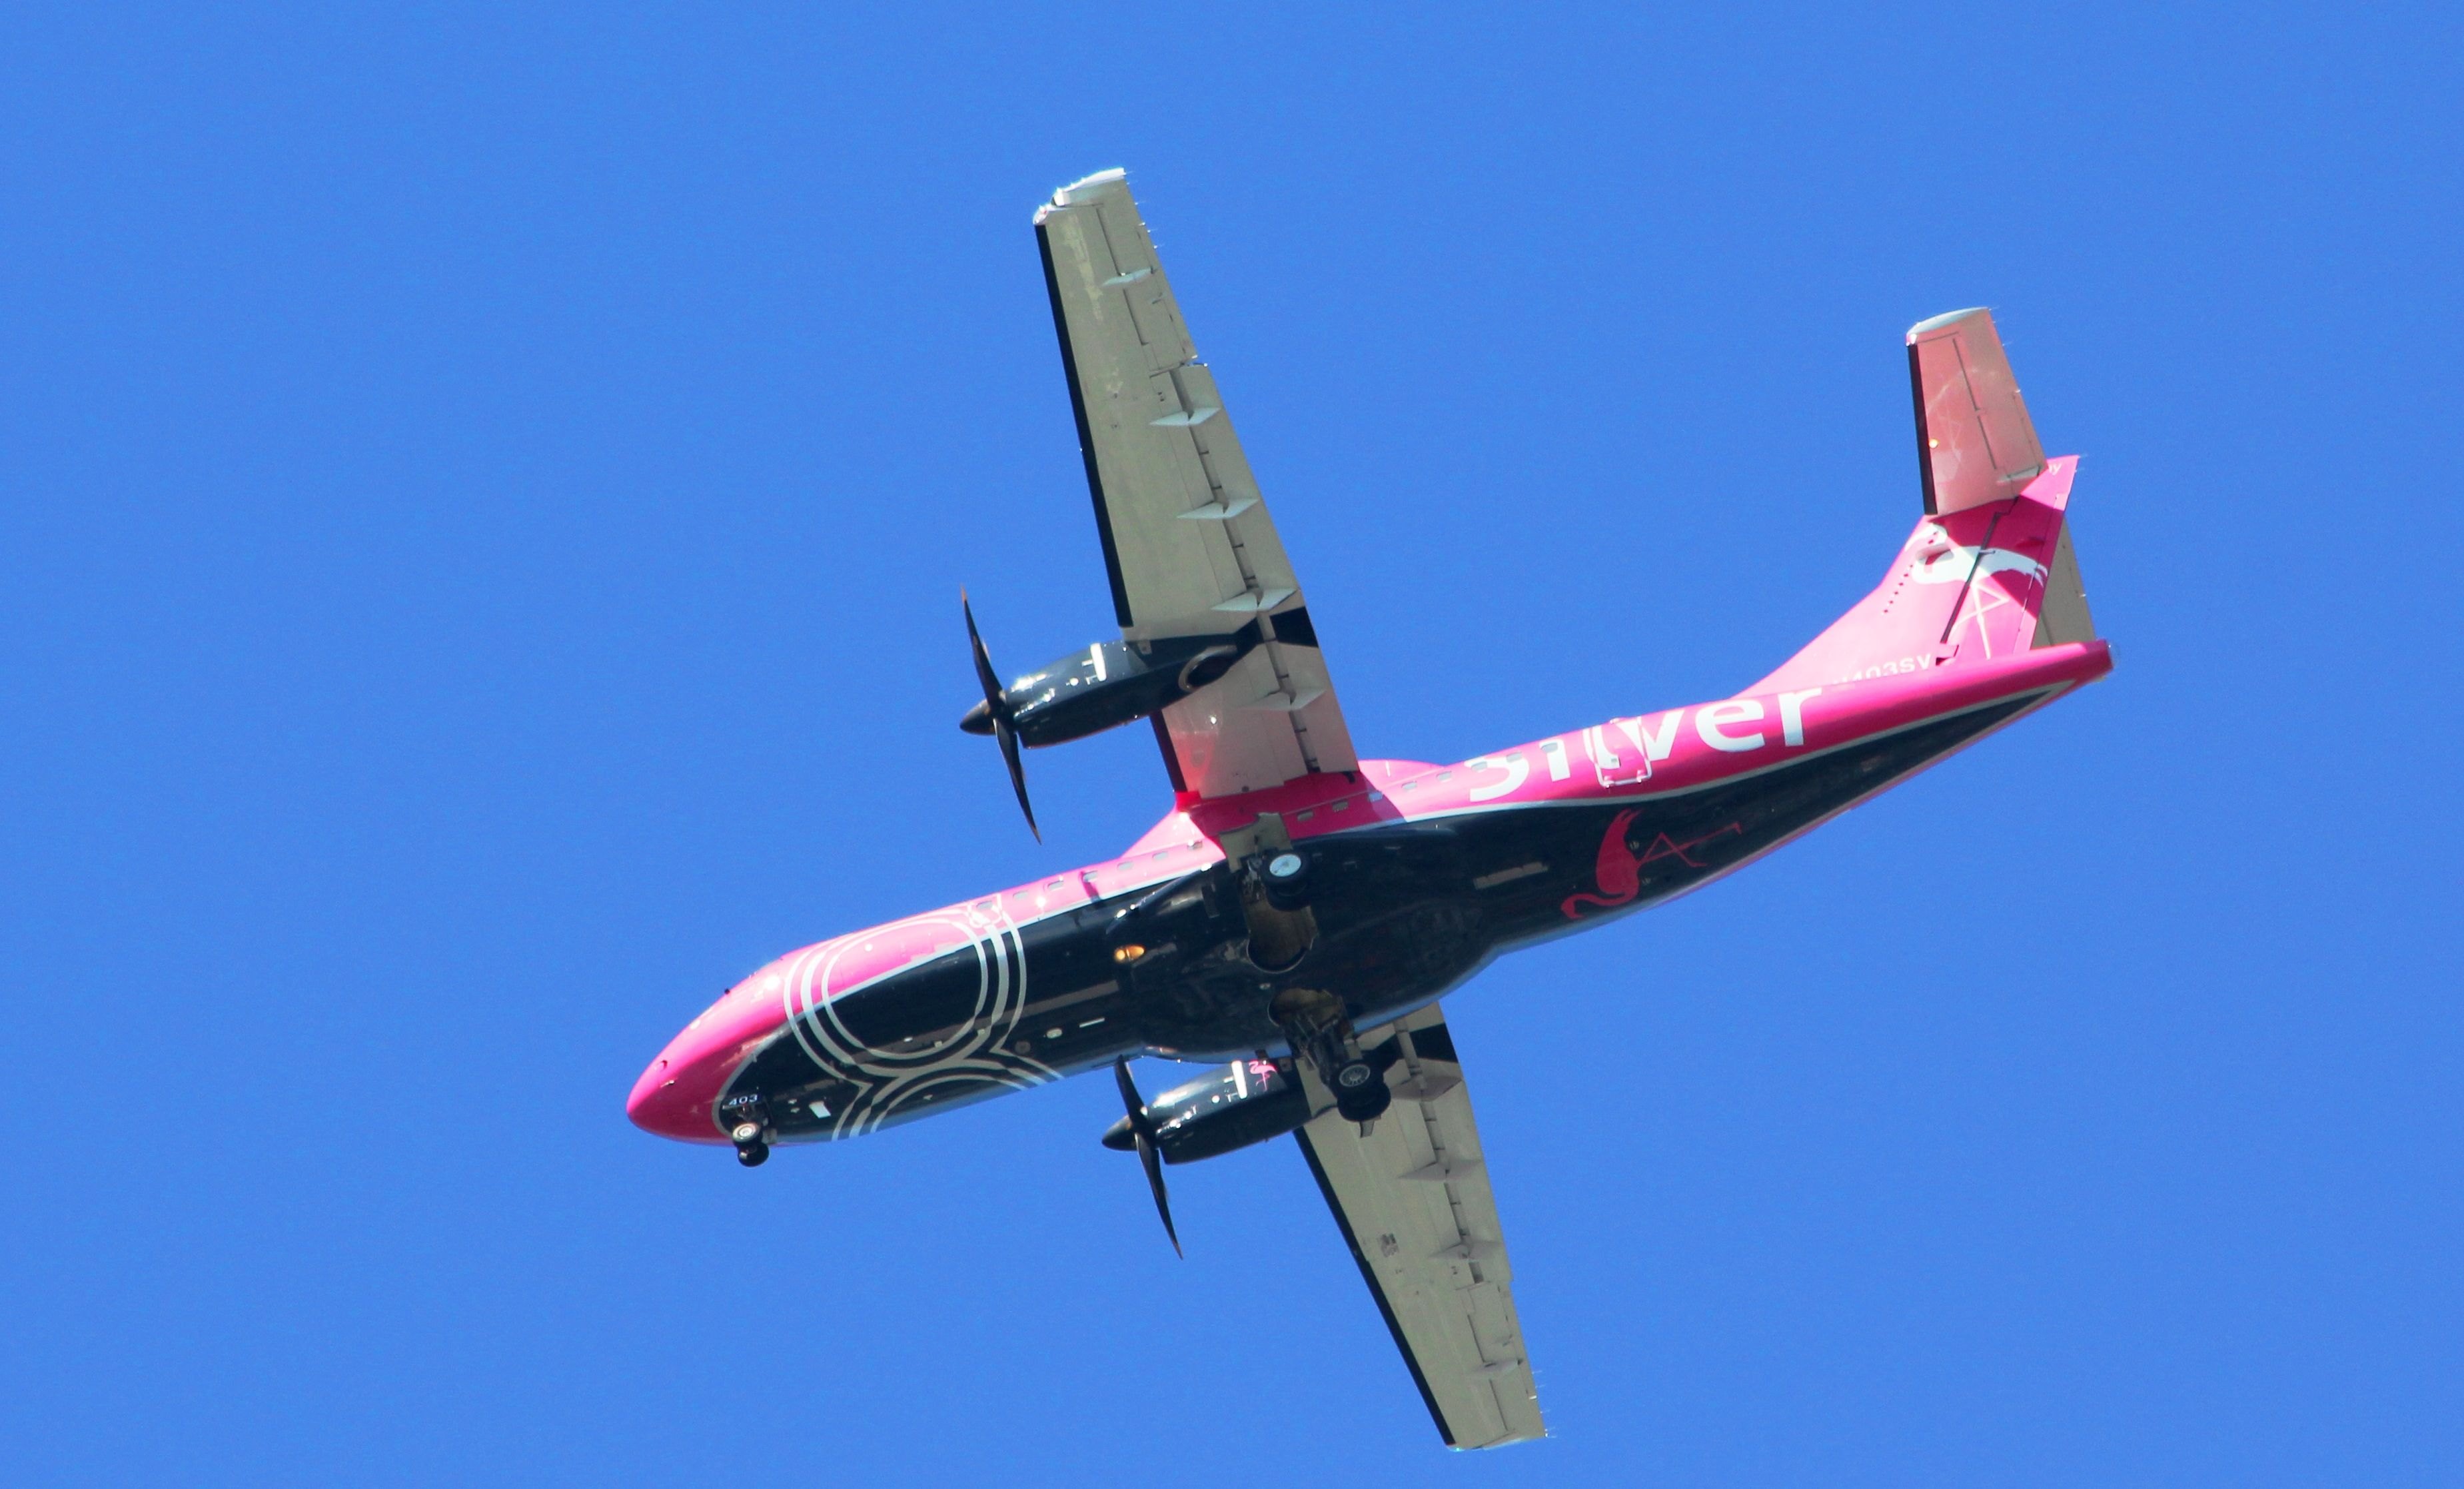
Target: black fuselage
<point>1401,911</point>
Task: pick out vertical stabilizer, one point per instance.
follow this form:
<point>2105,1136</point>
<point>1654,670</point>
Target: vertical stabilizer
<point>1975,440</point>
<point>1988,570</point>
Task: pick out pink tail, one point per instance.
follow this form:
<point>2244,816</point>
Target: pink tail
<point>1989,571</point>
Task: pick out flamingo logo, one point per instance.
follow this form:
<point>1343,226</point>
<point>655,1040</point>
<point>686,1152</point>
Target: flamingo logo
<point>1620,872</point>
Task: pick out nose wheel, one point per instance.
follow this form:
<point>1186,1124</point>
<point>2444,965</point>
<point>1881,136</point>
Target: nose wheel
<point>747,1129</point>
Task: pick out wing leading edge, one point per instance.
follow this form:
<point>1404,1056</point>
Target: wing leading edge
<point>1188,544</point>
<point>1413,1201</point>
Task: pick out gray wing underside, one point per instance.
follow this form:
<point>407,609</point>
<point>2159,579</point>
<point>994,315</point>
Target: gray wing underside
<point>1413,1201</point>
<point>1189,545</point>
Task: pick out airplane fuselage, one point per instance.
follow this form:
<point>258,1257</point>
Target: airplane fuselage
<point>1417,875</point>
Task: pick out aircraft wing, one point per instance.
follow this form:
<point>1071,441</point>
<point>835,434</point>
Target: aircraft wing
<point>1187,540</point>
<point>1413,1201</point>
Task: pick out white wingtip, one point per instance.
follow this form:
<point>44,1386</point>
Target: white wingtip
<point>1087,189</point>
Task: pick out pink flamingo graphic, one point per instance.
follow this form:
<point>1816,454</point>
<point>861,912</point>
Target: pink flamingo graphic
<point>1621,872</point>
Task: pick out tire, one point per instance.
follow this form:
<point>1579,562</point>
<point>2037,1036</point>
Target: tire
<point>1352,1075</point>
<point>1364,1102</point>
<point>745,1134</point>
<point>753,1156</point>
<point>1286,877</point>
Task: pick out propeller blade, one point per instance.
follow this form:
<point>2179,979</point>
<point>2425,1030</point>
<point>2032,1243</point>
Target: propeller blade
<point>984,673</point>
<point>1153,1162</point>
<point>1140,1121</point>
<point>997,707</point>
<point>1008,735</point>
<point>1150,1157</point>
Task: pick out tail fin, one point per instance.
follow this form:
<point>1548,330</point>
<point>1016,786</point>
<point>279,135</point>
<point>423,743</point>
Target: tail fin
<point>1989,571</point>
<point>1975,443</point>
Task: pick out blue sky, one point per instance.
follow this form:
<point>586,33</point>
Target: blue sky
<point>487,491</point>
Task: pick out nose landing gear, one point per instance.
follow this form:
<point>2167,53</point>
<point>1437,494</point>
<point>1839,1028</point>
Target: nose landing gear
<point>747,1130</point>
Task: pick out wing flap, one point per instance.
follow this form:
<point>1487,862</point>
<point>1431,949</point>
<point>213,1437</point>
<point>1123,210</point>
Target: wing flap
<point>1413,1201</point>
<point>1272,717</point>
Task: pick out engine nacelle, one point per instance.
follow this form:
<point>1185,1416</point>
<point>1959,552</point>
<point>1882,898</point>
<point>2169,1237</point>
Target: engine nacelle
<point>1114,683</point>
<point>1245,1102</point>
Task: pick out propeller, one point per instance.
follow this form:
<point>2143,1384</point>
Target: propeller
<point>1142,1131</point>
<point>998,711</point>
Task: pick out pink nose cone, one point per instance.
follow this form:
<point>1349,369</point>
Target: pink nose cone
<point>661,1103</point>
<point>675,1096</point>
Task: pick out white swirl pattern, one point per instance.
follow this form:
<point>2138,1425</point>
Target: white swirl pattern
<point>889,1080</point>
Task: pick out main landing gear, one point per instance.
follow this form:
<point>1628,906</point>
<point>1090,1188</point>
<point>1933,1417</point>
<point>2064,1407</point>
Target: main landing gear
<point>1314,1023</point>
<point>1285,877</point>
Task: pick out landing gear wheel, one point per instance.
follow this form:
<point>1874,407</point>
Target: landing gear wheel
<point>1320,1034</point>
<point>1285,879</point>
<point>745,1134</point>
<point>1363,1102</point>
<point>752,1155</point>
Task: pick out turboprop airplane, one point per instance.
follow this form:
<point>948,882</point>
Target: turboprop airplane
<point>1300,912</point>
